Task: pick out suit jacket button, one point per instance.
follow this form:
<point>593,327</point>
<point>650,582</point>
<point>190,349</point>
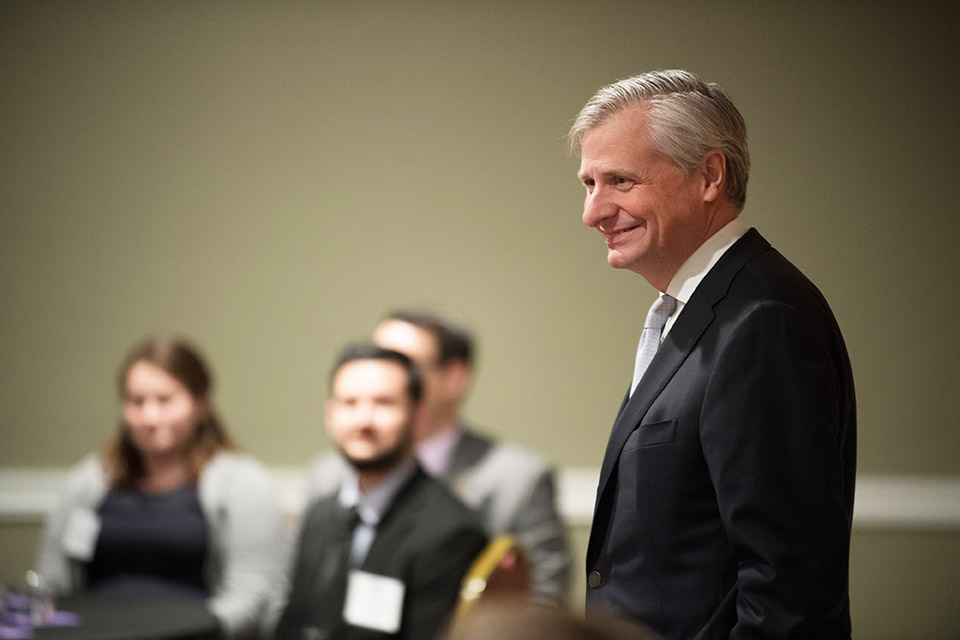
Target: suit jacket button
<point>594,579</point>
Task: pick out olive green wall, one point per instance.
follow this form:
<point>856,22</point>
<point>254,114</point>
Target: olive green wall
<point>268,178</point>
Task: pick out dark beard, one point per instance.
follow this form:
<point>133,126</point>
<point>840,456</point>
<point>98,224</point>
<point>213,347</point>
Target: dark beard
<point>383,462</point>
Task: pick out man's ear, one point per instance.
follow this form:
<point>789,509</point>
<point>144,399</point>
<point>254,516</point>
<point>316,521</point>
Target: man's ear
<point>713,169</point>
<point>327,411</point>
<point>457,378</point>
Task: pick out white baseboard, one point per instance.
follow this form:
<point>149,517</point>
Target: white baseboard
<point>27,494</point>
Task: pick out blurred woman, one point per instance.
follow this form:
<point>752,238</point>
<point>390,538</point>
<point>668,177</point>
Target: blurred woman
<point>170,508</point>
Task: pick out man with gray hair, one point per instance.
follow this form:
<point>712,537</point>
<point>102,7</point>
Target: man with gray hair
<point>726,491</point>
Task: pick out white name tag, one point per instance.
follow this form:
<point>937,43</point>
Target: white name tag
<point>374,602</point>
<point>80,536</point>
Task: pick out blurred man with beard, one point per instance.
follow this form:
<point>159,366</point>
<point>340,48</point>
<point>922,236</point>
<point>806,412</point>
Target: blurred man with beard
<point>512,488</point>
<point>384,556</point>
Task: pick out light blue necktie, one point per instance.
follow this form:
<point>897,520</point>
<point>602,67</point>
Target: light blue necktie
<point>662,309</point>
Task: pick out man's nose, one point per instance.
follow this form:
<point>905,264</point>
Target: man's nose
<point>597,207</point>
<point>151,411</point>
<point>364,414</point>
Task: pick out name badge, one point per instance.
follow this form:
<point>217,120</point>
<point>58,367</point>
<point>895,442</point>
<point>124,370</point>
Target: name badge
<point>80,536</point>
<point>374,602</point>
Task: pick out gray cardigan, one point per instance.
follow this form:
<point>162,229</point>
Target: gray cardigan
<point>248,546</point>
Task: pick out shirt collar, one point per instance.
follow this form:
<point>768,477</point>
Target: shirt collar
<point>696,267</point>
<point>435,452</point>
<point>372,505</point>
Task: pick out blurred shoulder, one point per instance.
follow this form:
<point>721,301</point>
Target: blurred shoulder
<point>90,469</point>
<point>324,474</point>
<point>230,462</point>
<point>447,511</point>
<point>505,459</point>
<point>88,480</point>
<point>235,471</point>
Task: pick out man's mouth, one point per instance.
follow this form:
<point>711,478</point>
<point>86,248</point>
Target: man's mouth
<point>612,236</point>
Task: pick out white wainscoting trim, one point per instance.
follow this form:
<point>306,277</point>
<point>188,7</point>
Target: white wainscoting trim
<point>913,502</point>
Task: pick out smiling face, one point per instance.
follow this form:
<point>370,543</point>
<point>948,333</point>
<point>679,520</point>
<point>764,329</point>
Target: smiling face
<point>160,412</point>
<point>370,414</point>
<point>651,215</point>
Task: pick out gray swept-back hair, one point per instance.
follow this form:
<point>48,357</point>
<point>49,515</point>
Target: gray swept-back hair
<point>687,117</point>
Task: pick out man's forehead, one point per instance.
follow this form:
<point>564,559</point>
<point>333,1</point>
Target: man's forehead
<point>614,159</point>
<point>615,143</point>
<point>409,339</point>
<point>368,374</point>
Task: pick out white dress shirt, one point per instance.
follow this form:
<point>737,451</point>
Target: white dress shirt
<point>698,265</point>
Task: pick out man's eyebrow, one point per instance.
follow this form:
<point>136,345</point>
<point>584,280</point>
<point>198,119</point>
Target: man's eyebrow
<point>606,173</point>
<point>584,174</point>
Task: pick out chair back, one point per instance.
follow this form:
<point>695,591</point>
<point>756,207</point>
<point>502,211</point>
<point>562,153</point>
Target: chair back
<point>500,572</point>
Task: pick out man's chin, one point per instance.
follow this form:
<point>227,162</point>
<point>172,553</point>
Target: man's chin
<point>384,461</point>
<point>617,260</point>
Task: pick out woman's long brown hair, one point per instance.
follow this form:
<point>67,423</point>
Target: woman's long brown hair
<point>124,461</point>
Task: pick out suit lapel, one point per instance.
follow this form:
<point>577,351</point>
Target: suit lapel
<point>678,344</point>
<point>325,510</point>
<point>696,316</point>
<point>309,604</point>
<point>469,450</point>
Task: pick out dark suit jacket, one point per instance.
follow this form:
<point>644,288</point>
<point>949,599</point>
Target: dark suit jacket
<point>427,539</point>
<point>513,490</point>
<point>726,491</point>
